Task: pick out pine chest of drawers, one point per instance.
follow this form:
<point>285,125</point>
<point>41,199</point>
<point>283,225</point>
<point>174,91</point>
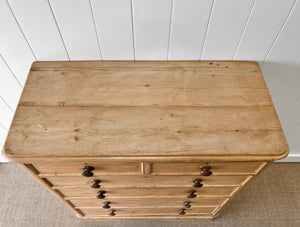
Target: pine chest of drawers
<point>145,140</point>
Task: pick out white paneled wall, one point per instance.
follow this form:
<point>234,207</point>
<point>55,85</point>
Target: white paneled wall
<point>267,31</point>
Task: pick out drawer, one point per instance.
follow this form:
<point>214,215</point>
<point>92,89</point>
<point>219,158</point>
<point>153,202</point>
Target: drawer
<point>150,181</point>
<point>148,202</point>
<point>100,168</point>
<point>147,211</point>
<point>84,191</point>
<point>217,168</point>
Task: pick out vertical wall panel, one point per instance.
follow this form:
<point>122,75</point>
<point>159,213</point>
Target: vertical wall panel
<point>151,28</point>
<point>291,119</point>
<point>6,114</point>
<point>225,28</point>
<point>114,26</point>
<point>3,133</point>
<point>10,89</point>
<point>35,18</point>
<point>294,142</point>
<point>13,45</point>
<point>288,91</point>
<point>280,64</point>
<point>189,23</point>
<point>75,21</point>
<point>265,22</point>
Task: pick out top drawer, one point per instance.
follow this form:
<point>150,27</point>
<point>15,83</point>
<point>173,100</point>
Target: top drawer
<point>216,168</point>
<point>100,168</point>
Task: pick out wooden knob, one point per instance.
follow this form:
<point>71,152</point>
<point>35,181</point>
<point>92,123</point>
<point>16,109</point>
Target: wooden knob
<point>182,211</point>
<point>87,171</point>
<point>95,184</point>
<point>197,183</point>
<point>106,205</point>
<point>112,212</point>
<point>100,194</point>
<point>187,204</point>
<point>206,170</point>
<point>191,194</point>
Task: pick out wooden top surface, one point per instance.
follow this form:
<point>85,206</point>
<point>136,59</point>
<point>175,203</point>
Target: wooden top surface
<point>145,110</point>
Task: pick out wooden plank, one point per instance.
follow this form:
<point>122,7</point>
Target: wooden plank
<point>147,211</point>
<point>197,217</point>
<point>189,23</point>
<point>157,202</point>
<point>75,21</point>
<point>176,87</point>
<point>239,65</point>
<point>151,21</point>
<point>221,168</point>
<point>135,131</point>
<point>266,18</point>
<point>40,29</point>
<point>149,181</point>
<point>178,192</point>
<point>11,42</point>
<point>232,16</point>
<point>8,83</point>
<point>114,26</point>
<point>100,168</point>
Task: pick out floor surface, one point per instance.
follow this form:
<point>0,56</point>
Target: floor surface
<point>271,199</point>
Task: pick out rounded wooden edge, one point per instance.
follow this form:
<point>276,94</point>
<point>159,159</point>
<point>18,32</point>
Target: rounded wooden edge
<point>67,159</point>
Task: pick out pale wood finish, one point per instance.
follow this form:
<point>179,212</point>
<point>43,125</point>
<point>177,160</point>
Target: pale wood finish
<point>146,202</point>
<point>146,128</point>
<point>148,211</point>
<point>151,181</point>
<point>71,192</point>
<point>145,131</point>
<point>102,168</point>
<point>221,168</point>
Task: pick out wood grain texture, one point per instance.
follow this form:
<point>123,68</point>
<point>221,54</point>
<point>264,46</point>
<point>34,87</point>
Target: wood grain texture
<point>152,181</point>
<point>222,168</point>
<point>178,192</point>
<point>146,202</point>
<point>99,212</point>
<point>150,111</point>
<point>142,131</point>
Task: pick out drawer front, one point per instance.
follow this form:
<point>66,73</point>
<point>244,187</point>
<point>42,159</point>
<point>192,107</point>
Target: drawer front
<point>151,181</point>
<point>147,202</point>
<point>84,191</point>
<point>217,168</point>
<point>102,168</point>
<point>147,211</point>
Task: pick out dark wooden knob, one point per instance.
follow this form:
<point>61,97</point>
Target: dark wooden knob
<point>182,211</point>
<point>100,194</point>
<point>112,212</point>
<point>191,194</point>
<point>197,183</point>
<point>187,204</point>
<point>95,184</point>
<point>87,171</point>
<point>106,205</point>
<point>206,170</point>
